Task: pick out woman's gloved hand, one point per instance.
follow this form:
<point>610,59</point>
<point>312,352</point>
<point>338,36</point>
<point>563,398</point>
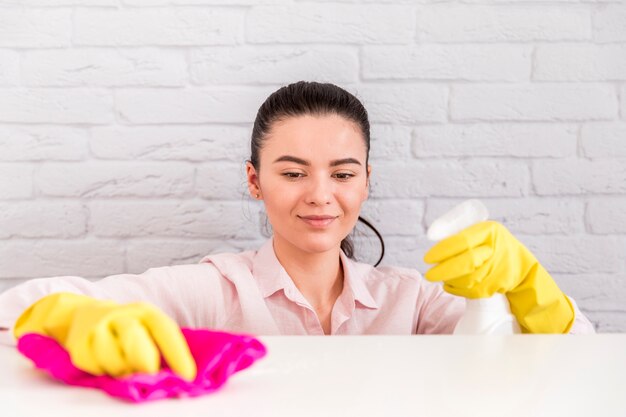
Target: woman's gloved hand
<point>486,258</point>
<point>103,337</point>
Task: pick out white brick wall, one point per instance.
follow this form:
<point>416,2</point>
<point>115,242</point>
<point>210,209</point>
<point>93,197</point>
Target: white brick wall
<point>104,67</point>
<point>54,105</point>
<point>124,126</point>
<point>503,23</point>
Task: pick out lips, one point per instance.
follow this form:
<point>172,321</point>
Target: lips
<point>318,221</point>
<point>317,217</point>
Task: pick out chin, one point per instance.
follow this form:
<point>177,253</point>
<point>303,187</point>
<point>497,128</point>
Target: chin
<point>316,244</point>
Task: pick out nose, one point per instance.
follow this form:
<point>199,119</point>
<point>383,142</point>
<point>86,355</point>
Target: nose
<point>319,191</point>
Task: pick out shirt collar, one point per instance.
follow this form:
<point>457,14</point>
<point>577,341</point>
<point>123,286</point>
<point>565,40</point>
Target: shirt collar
<point>354,275</point>
<point>269,273</point>
<point>271,276</point>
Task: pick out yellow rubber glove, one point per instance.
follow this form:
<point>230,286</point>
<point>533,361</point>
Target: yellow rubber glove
<point>486,258</point>
<point>103,337</point>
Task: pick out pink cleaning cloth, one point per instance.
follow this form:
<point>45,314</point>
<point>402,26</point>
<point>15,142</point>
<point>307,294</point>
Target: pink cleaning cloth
<point>218,355</point>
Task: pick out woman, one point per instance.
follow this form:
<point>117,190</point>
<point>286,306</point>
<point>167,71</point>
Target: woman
<point>309,164</point>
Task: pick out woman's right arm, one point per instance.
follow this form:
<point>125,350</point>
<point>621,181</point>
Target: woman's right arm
<point>193,295</point>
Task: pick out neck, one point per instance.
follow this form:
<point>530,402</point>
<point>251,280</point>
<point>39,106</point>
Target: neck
<point>318,276</point>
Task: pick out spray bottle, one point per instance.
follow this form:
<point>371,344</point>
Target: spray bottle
<point>482,315</point>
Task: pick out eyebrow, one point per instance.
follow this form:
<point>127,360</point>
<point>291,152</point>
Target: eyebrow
<point>289,158</point>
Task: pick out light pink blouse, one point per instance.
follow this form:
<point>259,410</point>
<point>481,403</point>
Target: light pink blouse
<point>250,292</point>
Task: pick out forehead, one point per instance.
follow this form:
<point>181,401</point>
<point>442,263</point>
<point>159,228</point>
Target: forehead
<point>315,137</point>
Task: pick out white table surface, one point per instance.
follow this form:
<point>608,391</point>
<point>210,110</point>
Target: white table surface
<point>522,375</point>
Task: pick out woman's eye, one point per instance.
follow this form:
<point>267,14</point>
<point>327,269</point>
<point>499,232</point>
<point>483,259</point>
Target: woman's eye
<point>344,176</point>
<point>292,174</point>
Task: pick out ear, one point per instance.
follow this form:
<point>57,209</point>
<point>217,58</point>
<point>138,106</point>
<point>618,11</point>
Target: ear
<point>254,187</point>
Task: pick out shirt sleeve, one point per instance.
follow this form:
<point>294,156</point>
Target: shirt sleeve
<point>193,295</point>
<point>581,325</point>
<point>437,311</point>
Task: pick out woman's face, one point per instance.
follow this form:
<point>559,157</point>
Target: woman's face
<point>312,166</point>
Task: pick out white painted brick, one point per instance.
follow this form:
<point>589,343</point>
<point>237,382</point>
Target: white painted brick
<point>142,254</point>
<point>16,181</point>
<point>46,258</point>
<point>531,1</point>
<point>623,101</point>
<point>39,105</point>
<point>158,26</point>
<point>607,215</point>
<point>398,218</point>
<point>389,142</point>
<point>277,65</point>
<point>533,102</point>
<point>114,179</point>
<point>189,219</point>
<point>480,23</point>
<point>190,106</point>
<point>147,2</point>
<point>540,216</point>
<point>481,2</point>
<point>189,143</point>
<point>448,62</point>
<point>42,143</point>
<point>9,67</point>
<point>227,2</point>
<point>607,321</point>
<point>595,292</point>
<point>38,28</point>
<point>409,254</point>
<point>335,23</point>
<point>577,253</point>
<point>573,176</point>
<point>450,178</point>
<point>359,1</point>
<point>530,216</point>
<point>609,23</point>
<point>495,139</point>
<point>42,219</point>
<point>587,62</point>
<point>105,67</point>
<point>199,2</point>
<point>60,2</point>
<point>604,140</point>
<point>222,181</point>
<point>387,103</point>
<point>406,251</point>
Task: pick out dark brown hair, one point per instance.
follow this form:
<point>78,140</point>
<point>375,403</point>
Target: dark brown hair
<point>316,99</point>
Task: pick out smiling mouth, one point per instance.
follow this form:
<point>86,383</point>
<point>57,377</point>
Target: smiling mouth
<point>318,223</point>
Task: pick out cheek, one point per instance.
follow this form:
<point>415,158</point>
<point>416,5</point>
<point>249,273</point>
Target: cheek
<point>280,199</point>
<point>354,199</point>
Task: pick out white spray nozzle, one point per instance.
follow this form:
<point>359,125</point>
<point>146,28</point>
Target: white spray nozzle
<point>460,217</point>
